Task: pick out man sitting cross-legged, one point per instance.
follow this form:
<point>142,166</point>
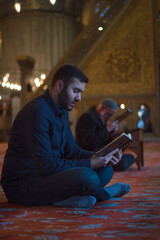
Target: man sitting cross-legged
<point>43,165</point>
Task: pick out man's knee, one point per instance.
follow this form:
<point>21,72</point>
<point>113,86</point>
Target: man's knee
<point>105,174</point>
<point>126,161</point>
<point>109,172</point>
<point>89,176</point>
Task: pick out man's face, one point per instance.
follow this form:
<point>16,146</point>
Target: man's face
<point>69,96</point>
<point>107,113</point>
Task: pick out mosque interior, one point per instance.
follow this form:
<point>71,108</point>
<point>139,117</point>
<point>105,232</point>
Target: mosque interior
<point>115,42</point>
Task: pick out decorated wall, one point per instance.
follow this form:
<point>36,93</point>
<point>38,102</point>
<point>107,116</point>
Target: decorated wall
<point>122,64</point>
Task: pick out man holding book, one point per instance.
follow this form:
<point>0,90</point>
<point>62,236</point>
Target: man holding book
<point>94,130</point>
<point>43,165</point>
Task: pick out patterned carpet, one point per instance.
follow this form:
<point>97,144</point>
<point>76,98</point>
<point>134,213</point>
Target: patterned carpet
<point>135,216</point>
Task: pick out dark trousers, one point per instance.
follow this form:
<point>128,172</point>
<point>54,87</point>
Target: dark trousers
<point>34,189</point>
<point>126,161</point>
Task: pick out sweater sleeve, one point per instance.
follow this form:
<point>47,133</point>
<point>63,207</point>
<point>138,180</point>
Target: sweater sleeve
<point>45,159</point>
<point>73,151</point>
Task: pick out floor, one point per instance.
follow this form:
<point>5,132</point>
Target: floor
<point>134,216</point>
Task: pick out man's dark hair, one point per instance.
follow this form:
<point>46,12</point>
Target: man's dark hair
<point>66,73</point>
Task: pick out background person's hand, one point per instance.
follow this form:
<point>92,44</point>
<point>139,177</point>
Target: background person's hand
<point>112,126</point>
<point>111,158</point>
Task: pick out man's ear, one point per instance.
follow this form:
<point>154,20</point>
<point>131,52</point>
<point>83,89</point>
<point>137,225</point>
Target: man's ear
<point>59,85</point>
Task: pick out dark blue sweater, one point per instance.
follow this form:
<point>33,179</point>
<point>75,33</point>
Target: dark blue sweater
<point>41,142</point>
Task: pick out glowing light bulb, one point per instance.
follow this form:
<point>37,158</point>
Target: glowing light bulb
<point>5,79</point>
<point>122,106</point>
<point>19,88</point>
<point>52,1</point>
<point>3,84</point>
<point>8,84</point>
<point>100,28</point>
<point>36,80</point>
<point>38,84</point>
<point>11,86</point>
<point>139,113</point>
<point>43,76</point>
<point>17,6</point>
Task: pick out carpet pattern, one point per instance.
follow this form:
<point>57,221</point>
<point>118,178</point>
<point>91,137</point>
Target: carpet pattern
<point>134,216</point>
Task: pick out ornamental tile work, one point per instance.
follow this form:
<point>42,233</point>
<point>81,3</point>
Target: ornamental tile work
<point>123,61</point>
<point>123,66</point>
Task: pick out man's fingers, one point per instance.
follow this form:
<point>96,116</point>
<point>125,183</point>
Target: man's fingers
<point>119,154</point>
<point>114,151</point>
<point>120,151</point>
<point>115,160</point>
<point>113,157</point>
<point>107,160</point>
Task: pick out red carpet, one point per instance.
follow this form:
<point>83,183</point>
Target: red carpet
<point>135,216</point>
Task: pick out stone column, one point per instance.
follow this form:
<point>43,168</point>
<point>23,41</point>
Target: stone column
<point>26,65</point>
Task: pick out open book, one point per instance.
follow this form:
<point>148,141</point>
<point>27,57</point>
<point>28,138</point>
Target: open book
<point>123,115</point>
<point>118,142</point>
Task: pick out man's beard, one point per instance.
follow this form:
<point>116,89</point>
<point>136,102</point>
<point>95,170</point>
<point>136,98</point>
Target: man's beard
<point>64,100</point>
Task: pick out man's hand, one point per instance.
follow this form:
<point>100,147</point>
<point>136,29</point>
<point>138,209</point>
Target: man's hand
<point>112,126</point>
<point>111,158</point>
<point>116,157</point>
